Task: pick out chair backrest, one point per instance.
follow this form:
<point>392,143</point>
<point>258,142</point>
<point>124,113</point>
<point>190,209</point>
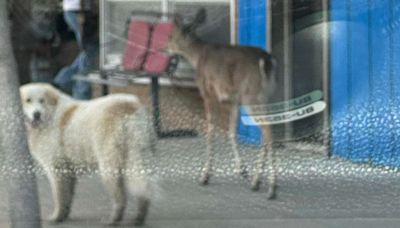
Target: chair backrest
<point>139,33</point>
<point>157,60</point>
<point>145,47</point>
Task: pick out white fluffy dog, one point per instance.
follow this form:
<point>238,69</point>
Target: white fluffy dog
<point>109,134</point>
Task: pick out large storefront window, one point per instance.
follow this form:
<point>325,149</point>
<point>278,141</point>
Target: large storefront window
<point>202,113</point>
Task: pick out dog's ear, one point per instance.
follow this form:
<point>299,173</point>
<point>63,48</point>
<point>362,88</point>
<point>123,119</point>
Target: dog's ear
<point>22,93</point>
<point>52,95</point>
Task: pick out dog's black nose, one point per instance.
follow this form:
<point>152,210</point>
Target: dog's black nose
<point>36,115</point>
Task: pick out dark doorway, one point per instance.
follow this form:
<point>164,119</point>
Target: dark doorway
<point>298,41</point>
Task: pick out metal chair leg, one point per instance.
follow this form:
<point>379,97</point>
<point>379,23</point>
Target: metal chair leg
<point>155,86</point>
<point>104,87</point>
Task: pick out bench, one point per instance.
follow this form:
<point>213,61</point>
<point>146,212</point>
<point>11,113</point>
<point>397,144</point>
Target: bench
<point>143,57</point>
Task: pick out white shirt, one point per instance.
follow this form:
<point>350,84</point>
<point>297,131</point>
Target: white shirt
<point>71,5</point>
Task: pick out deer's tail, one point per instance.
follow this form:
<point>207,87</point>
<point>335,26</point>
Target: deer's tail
<point>267,67</point>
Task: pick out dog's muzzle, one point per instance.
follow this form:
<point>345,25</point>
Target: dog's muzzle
<point>37,116</point>
<point>35,121</point>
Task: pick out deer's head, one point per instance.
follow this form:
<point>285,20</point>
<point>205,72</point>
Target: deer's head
<point>184,33</point>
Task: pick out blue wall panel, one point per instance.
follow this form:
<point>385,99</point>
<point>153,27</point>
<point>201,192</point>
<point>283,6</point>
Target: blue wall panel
<point>395,66</point>
<point>358,78</point>
<point>381,92</point>
<point>252,26</point>
<point>365,80</point>
<point>339,83</point>
<point>252,22</point>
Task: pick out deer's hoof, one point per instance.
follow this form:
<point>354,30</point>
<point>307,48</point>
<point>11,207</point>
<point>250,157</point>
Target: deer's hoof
<point>56,218</point>
<point>204,180</point>
<point>242,172</point>
<point>111,222</point>
<point>138,222</point>
<point>271,192</point>
<point>255,184</point>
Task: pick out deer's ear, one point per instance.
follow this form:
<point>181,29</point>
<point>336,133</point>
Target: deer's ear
<point>178,20</point>
<point>200,17</point>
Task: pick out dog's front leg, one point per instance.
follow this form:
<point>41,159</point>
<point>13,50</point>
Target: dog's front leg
<point>62,186</point>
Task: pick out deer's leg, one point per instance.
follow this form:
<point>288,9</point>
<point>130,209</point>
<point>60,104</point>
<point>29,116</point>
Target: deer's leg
<point>210,129</point>
<point>239,169</point>
<point>266,154</point>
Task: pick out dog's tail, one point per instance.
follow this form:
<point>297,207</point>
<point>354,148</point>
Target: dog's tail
<point>140,146</point>
<point>140,165</point>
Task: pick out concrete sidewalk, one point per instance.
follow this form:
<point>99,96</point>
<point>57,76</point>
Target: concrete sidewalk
<point>314,191</point>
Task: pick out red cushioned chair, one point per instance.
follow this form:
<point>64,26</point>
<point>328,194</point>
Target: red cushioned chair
<point>157,60</point>
<point>136,48</point>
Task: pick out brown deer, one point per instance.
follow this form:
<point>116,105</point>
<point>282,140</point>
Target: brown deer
<point>234,75</point>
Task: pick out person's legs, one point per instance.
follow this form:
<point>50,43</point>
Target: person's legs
<point>87,58</point>
<point>63,79</point>
<point>82,90</point>
<point>72,20</point>
<point>83,64</point>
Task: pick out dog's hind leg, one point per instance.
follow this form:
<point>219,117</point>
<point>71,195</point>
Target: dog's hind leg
<point>143,209</point>
<point>266,154</point>
<point>62,186</point>
<point>114,182</point>
<point>141,187</point>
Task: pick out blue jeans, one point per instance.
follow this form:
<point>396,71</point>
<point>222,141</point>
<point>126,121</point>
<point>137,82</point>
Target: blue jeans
<point>82,65</point>
<point>71,18</point>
